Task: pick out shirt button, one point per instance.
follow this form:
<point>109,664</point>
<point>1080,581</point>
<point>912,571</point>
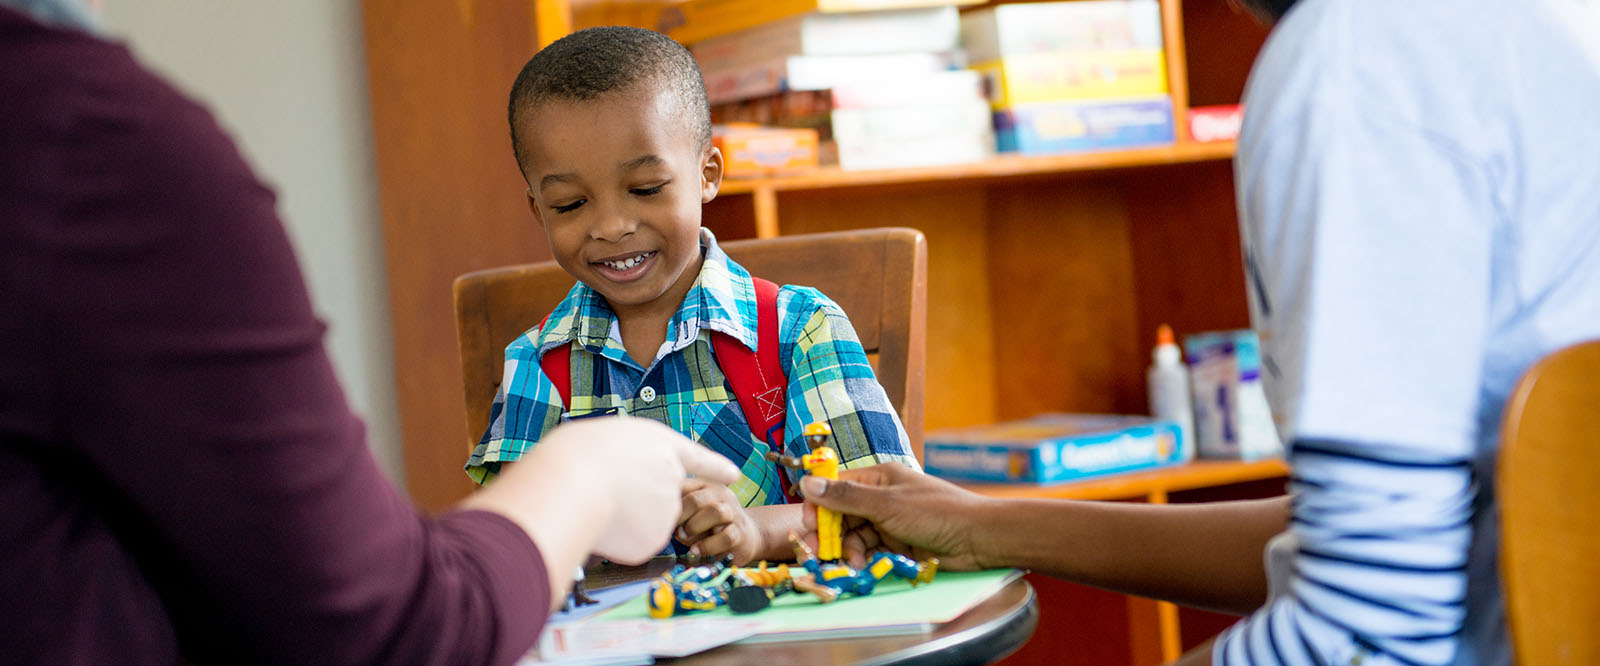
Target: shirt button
<point>648,394</point>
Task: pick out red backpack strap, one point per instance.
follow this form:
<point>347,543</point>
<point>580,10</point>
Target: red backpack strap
<point>557,365</point>
<point>757,379</point>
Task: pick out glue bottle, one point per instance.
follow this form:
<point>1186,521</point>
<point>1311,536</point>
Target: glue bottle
<point>1169,389</point>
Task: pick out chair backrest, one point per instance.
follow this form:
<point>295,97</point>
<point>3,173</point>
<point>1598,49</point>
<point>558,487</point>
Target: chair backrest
<point>879,277</point>
<point>1548,485</point>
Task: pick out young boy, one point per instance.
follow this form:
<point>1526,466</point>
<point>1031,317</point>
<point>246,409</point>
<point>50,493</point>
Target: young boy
<point>612,131</point>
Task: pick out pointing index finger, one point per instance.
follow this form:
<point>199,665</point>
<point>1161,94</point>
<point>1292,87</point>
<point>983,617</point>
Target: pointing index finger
<point>703,463</point>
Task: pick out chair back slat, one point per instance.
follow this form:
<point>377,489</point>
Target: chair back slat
<point>1548,487</point>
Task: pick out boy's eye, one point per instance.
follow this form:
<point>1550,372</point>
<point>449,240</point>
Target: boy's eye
<point>647,191</point>
<point>569,207</point>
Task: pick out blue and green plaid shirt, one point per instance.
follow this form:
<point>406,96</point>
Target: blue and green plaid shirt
<point>829,379</point>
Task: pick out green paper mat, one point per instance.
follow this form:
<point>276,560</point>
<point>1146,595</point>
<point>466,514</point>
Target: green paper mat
<point>893,608</point>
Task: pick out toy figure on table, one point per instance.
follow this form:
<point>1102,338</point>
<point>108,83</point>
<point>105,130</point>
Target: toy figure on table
<point>742,589</point>
<point>745,589</point>
<point>828,581</point>
<point>750,589</point>
<point>823,462</point>
<point>686,589</point>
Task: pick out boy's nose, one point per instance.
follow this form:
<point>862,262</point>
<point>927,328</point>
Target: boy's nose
<point>612,225</point>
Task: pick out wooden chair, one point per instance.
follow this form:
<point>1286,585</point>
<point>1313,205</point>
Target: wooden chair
<point>879,277</point>
<point>1548,484</point>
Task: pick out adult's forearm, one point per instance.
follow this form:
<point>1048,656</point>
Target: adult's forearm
<point>1203,555</point>
<point>556,507</point>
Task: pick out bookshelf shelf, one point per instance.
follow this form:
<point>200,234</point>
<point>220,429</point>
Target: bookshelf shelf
<point>1143,485</point>
<point>997,168</point>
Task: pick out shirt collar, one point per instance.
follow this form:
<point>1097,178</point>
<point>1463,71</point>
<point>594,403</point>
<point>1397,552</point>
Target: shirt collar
<point>723,299</point>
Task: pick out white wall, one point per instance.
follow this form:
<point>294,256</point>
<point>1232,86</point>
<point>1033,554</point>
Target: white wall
<point>288,79</point>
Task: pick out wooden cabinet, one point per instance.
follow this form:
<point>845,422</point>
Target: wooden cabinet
<point>1047,277</point>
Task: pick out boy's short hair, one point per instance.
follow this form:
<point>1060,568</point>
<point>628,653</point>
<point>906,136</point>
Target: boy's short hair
<point>595,61</point>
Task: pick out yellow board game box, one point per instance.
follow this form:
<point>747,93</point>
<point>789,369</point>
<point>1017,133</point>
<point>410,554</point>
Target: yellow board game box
<point>1074,75</point>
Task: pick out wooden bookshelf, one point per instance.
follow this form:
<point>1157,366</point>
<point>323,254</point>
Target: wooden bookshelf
<point>1153,486</point>
<point>997,168</point>
<point>763,191</point>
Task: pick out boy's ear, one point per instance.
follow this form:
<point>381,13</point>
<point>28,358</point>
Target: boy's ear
<point>533,207</point>
<point>710,175</point>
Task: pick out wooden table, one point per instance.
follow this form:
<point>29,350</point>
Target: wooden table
<point>985,633</point>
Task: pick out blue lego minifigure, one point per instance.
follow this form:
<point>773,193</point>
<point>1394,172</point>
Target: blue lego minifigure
<point>686,589</point>
<point>832,579</point>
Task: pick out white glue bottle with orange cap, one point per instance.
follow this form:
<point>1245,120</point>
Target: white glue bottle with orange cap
<point>1169,389</point>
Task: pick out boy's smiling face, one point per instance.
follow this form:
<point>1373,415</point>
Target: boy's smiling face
<point>617,182</point>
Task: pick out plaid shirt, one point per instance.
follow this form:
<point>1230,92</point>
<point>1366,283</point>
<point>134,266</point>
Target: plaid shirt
<point>828,379</point>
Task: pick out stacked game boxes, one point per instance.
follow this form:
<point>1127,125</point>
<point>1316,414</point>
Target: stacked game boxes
<point>696,21</point>
<point>881,88</point>
<point>1072,76</point>
<point>750,151</point>
<point>1051,448</point>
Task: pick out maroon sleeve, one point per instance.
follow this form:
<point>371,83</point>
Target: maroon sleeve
<point>195,385</point>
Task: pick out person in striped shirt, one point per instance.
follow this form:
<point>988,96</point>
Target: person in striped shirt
<point>1420,207</point>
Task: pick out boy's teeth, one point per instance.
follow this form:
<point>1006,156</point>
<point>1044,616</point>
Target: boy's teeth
<point>628,263</point>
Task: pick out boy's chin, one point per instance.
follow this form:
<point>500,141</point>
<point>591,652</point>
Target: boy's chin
<point>631,295</point>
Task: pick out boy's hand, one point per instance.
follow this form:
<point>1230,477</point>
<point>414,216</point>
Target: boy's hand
<point>713,523</point>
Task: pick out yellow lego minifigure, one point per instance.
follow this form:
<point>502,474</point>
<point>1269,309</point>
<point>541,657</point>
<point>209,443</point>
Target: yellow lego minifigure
<point>823,462</point>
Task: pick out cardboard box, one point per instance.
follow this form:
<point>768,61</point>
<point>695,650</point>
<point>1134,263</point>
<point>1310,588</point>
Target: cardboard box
<point>1232,419</point>
<point>992,33</point>
<point>1074,76</point>
<point>1052,448</point>
<point>913,136</point>
<point>1215,123</point>
<point>1069,127</point>
<point>753,151</point>
<point>698,20</point>
<point>774,76</point>
<point>847,33</point>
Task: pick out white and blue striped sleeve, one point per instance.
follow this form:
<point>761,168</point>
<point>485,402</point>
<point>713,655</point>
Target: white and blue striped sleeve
<point>1376,562</point>
<point>1367,237</point>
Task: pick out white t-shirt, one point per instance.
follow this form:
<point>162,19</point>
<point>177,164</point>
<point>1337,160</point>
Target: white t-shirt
<point>1419,191</point>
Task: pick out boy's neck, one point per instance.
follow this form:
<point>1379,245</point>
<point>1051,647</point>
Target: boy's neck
<point>644,326</point>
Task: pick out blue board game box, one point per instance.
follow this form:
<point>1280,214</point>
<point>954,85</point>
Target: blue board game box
<point>1052,448</point>
<point>1068,127</point>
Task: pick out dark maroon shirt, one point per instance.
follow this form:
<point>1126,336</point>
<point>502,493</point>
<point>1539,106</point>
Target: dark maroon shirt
<point>180,476</point>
